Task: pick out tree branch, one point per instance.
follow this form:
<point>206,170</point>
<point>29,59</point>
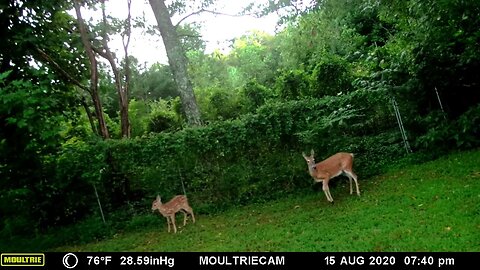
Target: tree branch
<point>212,12</point>
<point>128,31</point>
<point>126,43</point>
<point>100,52</point>
<point>62,71</point>
<point>187,35</point>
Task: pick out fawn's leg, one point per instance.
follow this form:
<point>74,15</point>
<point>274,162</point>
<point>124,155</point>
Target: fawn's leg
<point>190,211</point>
<point>168,223</point>
<point>184,218</point>
<point>172,218</point>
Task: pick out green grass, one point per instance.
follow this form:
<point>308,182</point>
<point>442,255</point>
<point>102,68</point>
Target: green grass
<point>433,206</point>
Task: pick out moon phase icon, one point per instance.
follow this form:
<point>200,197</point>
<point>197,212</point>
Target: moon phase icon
<point>73,262</point>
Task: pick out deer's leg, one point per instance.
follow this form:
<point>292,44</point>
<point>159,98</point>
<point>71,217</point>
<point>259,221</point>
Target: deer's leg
<point>172,218</point>
<point>184,218</point>
<point>168,223</point>
<point>354,176</point>
<point>193,216</point>
<point>351,183</point>
<point>326,190</point>
<point>189,210</point>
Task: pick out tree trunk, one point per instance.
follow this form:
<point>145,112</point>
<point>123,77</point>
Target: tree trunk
<point>122,88</point>
<point>126,87</point>
<point>89,115</point>
<point>93,72</point>
<point>177,61</point>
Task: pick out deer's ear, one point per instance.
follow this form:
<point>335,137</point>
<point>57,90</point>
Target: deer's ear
<point>312,153</point>
<point>158,197</point>
<point>303,154</point>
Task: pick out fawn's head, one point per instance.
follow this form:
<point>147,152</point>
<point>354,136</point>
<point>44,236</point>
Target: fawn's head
<point>157,203</point>
<point>310,159</point>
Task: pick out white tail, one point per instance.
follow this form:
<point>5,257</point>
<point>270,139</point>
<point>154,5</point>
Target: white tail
<point>340,163</point>
<point>169,209</point>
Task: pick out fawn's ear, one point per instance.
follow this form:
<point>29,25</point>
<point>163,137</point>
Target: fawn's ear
<point>312,153</point>
<point>158,197</point>
<point>304,156</point>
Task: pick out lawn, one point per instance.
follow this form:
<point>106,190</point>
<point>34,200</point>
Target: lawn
<point>434,206</point>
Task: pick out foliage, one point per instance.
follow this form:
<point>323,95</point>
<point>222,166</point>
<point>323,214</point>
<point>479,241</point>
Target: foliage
<point>218,104</point>
<point>293,84</point>
<point>154,83</point>
<point>190,38</point>
<point>447,34</point>
<point>255,95</point>
<point>205,160</point>
<point>139,112</point>
<point>164,116</point>
<point>30,118</point>
<point>444,218</point>
<point>442,133</point>
<point>330,77</point>
<point>254,57</point>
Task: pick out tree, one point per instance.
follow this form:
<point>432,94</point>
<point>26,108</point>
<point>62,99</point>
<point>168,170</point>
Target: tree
<point>93,71</point>
<point>36,101</point>
<point>121,82</point>
<point>96,43</point>
<point>288,10</point>
<point>153,83</point>
<point>254,57</point>
<point>178,62</point>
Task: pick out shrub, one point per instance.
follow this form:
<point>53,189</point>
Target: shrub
<point>254,158</point>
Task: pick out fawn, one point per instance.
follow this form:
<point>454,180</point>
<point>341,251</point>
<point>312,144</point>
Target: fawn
<point>169,209</point>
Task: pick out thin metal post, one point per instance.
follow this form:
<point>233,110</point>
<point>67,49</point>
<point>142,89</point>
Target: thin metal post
<point>181,180</point>
<point>99,204</point>
<point>401,127</point>
<point>440,102</point>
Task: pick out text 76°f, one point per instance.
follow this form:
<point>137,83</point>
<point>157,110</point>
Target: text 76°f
<point>99,260</point>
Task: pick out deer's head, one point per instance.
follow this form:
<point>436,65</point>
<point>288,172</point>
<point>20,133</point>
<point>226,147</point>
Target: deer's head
<point>157,203</point>
<point>310,159</point>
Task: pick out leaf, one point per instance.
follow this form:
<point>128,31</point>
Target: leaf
<point>11,120</point>
<point>4,75</point>
<point>22,123</point>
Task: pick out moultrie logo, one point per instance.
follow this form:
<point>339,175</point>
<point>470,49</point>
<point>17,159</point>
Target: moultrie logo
<point>23,259</point>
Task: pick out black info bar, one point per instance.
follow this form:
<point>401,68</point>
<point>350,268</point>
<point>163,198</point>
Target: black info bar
<point>241,260</point>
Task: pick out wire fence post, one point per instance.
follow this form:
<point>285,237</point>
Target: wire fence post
<point>98,197</point>
<point>99,204</point>
<point>401,127</point>
<point>181,180</point>
<point>440,102</point>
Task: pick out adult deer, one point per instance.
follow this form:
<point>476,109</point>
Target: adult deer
<point>340,163</point>
<point>169,209</point>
